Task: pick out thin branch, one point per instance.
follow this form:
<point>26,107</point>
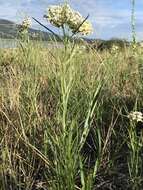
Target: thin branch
<point>56,35</point>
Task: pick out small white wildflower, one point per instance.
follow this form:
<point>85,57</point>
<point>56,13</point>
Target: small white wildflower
<point>136,116</point>
<point>114,48</point>
<point>26,22</point>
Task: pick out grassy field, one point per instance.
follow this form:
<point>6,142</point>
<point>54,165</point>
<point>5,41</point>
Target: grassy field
<point>64,119</point>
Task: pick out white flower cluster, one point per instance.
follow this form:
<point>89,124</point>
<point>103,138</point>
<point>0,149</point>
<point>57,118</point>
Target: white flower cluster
<point>56,15</point>
<point>26,23</point>
<point>59,15</point>
<point>76,22</point>
<point>136,116</point>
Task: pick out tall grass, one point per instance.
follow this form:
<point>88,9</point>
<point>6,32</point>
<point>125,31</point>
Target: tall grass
<point>63,118</point>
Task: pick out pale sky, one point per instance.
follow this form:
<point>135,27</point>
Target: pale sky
<point>110,18</point>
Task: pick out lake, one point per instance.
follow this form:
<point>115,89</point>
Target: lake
<point>8,43</point>
<point>13,43</point>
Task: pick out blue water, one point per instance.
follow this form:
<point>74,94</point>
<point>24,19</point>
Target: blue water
<point>6,43</point>
<point>12,43</point>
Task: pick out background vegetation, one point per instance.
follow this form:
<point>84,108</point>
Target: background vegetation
<point>65,116</point>
<point>64,121</point>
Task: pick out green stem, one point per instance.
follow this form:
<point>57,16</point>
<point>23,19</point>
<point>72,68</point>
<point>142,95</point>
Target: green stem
<point>133,22</point>
<point>65,38</point>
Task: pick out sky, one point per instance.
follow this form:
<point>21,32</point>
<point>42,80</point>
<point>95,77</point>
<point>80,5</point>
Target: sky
<point>110,18</point>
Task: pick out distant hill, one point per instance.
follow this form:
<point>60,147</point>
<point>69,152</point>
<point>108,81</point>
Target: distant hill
<point>8,30</point>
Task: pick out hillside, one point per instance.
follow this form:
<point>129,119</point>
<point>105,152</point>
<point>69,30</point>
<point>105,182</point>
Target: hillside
<point>8,29</point>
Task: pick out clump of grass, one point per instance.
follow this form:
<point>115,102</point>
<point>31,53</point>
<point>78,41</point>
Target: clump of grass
<point>62,122</point>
